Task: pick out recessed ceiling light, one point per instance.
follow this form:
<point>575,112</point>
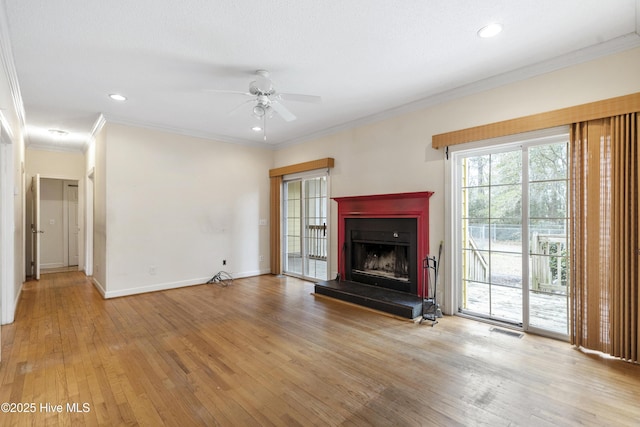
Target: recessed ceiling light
<point>256,128</point>
<point>490,30</point>
<point>117,97</point>
<point>57,133</point>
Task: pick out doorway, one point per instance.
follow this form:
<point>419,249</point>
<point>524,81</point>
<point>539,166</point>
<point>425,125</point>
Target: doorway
<point>54,225</point>
<point>511,215</point>
<point>306,226</point>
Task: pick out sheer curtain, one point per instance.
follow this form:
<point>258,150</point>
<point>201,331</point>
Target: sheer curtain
<point>605,236</point>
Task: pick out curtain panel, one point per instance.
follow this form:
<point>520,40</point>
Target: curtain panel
<point>276,219</point>
<point>605,236</point>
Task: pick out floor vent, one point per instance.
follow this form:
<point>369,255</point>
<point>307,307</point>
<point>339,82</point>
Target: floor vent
<point>514,334</point>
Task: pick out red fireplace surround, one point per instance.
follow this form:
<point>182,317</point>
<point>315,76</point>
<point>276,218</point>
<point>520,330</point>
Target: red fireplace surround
<point>399,205</point>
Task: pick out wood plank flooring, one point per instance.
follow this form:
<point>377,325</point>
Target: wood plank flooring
<point>265,351</point>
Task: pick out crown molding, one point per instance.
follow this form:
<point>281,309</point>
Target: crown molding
<point>610,47</point>
<point>187,132</point>
<point>5,128</point>
<point>97,126</point>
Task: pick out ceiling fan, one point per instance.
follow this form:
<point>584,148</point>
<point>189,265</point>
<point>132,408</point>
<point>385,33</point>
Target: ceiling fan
<point>267,100</point>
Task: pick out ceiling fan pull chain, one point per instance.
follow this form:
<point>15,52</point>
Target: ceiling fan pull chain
<point>264,127</point>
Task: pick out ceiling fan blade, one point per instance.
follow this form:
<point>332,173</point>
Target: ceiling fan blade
<point>239,107</point>
<point>232,92</point>
<point>300,98</point>
<point>283,111</point>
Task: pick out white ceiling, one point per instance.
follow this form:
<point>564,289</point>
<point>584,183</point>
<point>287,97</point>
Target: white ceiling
<point>367,58</point>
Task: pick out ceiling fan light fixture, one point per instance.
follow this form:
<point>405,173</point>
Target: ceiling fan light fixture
<point>490,30</point>
<point>259,111</point>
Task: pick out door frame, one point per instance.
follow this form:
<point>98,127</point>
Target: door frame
<point>35,225</point>
<point>7,226</point>
<point>302,176</point>
<point>66,244</point>
<point>453,276</point>
<point>83,233</point>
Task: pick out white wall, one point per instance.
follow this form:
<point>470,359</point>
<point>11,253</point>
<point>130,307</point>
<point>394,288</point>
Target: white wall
<point>98,153</point>
<point>395,155</point>
<point>176,206</point>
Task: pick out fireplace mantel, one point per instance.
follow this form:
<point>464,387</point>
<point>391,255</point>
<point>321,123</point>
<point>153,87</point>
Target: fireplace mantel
<point>398,205</point>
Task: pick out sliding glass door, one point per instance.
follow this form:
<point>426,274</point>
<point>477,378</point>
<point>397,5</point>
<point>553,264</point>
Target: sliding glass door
<point>305,226</point>
<point>512,223</point>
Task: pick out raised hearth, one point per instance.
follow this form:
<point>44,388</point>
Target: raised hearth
<point>397,303</point>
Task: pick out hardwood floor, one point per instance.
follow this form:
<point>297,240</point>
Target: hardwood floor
<point>265,351</point>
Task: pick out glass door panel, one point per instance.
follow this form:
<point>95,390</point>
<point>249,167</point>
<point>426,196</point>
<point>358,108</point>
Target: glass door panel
<point>293,229</point>
<point>548,207</point>
<point>492,236</point>
<point>316,228</point>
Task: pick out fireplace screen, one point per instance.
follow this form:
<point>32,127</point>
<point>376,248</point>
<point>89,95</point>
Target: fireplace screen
<point>384,260</point>
<point>382,252</point>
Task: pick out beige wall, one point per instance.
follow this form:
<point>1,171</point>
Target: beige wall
<point>395,155</point>
<point>174,207</point>
<point>55,164</point>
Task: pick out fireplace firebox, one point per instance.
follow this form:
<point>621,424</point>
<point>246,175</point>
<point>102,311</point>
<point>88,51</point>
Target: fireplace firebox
<point>382,252</point>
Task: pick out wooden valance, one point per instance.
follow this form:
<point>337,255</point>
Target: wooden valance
<point>302,167</point>
<point>565,116</point>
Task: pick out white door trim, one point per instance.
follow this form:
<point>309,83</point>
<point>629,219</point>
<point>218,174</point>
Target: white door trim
<point>7,229</point>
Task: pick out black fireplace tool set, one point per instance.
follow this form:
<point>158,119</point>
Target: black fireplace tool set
<point>430,307</point>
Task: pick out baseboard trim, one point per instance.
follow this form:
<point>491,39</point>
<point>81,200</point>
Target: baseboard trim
<point>98,286</point>
<point>172,285</point>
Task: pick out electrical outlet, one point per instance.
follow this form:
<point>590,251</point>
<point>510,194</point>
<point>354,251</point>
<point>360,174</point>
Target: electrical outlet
<point>152,270</point>
<point>261,258</point>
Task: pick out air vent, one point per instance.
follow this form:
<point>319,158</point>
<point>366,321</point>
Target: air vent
<point>514,334</point>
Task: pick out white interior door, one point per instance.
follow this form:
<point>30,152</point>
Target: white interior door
<point>73,228</point>
<point>36,231</point>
